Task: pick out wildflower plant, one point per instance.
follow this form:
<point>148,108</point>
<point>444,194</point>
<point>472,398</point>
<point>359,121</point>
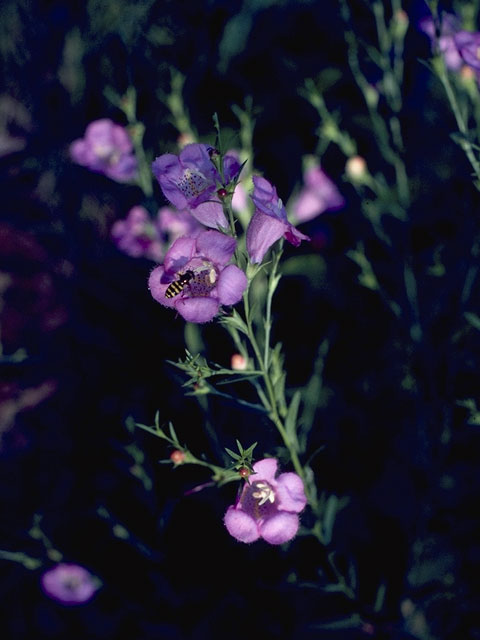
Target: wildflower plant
<point>222,236</point>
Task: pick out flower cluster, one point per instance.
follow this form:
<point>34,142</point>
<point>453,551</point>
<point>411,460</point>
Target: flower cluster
<point>106,148</point>
<point>196,278</point>
<point>268,506</point>
<point>140,236</point>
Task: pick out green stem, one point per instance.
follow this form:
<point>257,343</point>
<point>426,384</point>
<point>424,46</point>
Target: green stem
<point>272,285</point>
<point>21,558</point>
<point>272,407</point>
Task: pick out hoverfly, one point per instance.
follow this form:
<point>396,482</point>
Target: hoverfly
<point>175,287</point>
<point>201,282</point>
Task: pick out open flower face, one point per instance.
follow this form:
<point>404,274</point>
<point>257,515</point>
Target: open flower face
<point>106,148</point>
<point>196,278</point>
<point>268,507</point>
<point>190,180</point>
<point>69,584</point>
<point>269,222</point>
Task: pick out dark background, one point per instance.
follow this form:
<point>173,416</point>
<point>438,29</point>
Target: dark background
<point>394,441</point>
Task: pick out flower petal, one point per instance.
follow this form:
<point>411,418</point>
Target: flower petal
<point>210,214</point>
<point>198,309</point>
<point>240,525</point>
<point>195,157</point>
<point>231,166</point>
<point>216,246</point>
<point>263,231</point>
<point>294,236</point>
<point>280,528</point>
<point>265,470</point>
<point>179,254</point>
<point>232,282</point>
<point>157,288</point>
<point>290,492</point>
<point>168,172</point>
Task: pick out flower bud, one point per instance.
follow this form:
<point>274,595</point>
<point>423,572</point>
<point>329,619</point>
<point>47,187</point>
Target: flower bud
<point>400,24</point>
<point>184,139</point>
<point>356,169</point>
<point>177,457</point>
<point>243,472</point>
<point>238,362</point>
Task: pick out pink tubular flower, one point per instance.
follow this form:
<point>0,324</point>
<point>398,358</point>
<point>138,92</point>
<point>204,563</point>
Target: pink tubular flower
<point>69,584</point>
<point>140,236</point>
<point>190,180</point>
<point>268,506</point>
<point>196,278</point>
<point>319,194</point>
<point>106,148</point>
<point>269,222</point>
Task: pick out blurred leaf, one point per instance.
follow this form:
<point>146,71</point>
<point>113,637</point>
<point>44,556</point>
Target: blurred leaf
<point>352,622</point>
<point>473,319</point>
<point>291,418</point>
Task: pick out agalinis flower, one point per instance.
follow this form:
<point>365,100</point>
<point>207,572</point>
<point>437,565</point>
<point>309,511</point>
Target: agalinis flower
<point>268,506</point>
<point>318,194</point>
<point>450,25</point>
<point>190,180</point>
<point>196,278</point>
<point>69,584</point>
<point>468,45</point>
<point>106,148</point>
<point>140,236</point>
<point>269,222</point>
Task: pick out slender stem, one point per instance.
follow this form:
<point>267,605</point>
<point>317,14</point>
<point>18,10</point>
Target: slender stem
<point>144,172</point>
<point>273,409</point>
<point>268,308</point>
<point>21,558</point>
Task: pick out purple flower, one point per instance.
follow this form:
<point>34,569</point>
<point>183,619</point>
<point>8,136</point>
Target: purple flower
<point>140,236</point>
<point>69,584</point>
<point>468,45</point>
<point>196,278</point>
<point>269,222</point>
<point>190,180</point>
<point>268,506</point>
<point>106,148</point>
<point>318,194</point>
<point>446,42</point>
